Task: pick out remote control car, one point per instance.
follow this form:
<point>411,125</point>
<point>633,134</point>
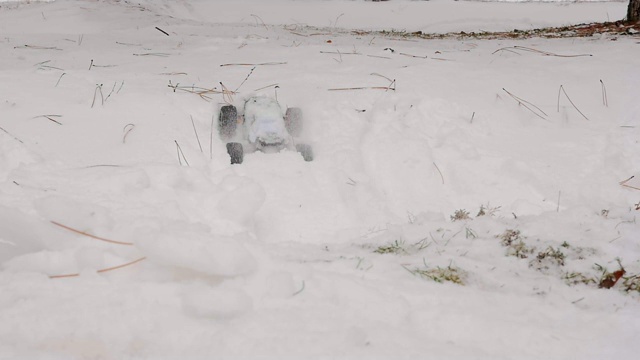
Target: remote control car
<point>262,126</point>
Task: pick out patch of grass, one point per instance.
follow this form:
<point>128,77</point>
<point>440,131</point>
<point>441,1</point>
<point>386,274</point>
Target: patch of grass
<point>552,254</point>
<point>396,247</point>
<point>509,236</point>
<point>439,274</point>
<point>575,278</point>
<point>512,240</point>
<point>631,283</point>
<point>488,210</point>
<point>460,214</point>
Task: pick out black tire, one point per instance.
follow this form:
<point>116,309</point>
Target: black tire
<point>236,152</point>
<point>293,121</point>
<point>227,121</point>
<point>306,151</point>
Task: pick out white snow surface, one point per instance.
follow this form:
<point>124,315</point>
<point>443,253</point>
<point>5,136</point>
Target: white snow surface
<point>103,133</point>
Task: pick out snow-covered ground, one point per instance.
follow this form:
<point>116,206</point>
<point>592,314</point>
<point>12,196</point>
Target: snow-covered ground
<point>102,132</point>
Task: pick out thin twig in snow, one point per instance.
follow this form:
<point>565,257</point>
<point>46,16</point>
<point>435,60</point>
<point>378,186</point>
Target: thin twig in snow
<point>153,54</point>
<point>264,87</point>
<point>440,172</point>
<point>256,18</point>
<point>605,100</point>
<point>162,31</point>
<point>545,53</point>
<point>89,235</point>
<point>211,138</point>
<point>179,149</point>
<point>624,183</point>
<point>95,92</point>
<point>299,291</point>
<point>8,133</point>
<point>525,103</point>
<point>60,78</point>
<point>50,118</point>
<point>100,270</point>
<point>227,95</point>
<point>259,64</point>
<point>245,79</point>
<point>196,131</point>
<point>574,105</point>
<point>127,129</point>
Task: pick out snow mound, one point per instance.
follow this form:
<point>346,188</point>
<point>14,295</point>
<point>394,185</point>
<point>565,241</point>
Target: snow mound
<point>194,247</point>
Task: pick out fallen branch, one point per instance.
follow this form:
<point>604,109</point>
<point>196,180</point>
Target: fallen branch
<point>89,235</point>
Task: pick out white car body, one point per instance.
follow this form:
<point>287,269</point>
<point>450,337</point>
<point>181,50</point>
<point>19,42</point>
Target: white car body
<point>264,122</point>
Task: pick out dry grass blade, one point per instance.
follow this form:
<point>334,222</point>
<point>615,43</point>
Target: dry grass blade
<point>50,118</point>
<point>526,104</point>
<point>574,105</point>
<point>227,95</point>
<point>60,78</point>
<point>440,172</point>
<point>196,131</point>
<point>153,54</point>
<point>624,183</point>
<point>35,47</point>
<point>245,79</point>
<point>202,92</point>
<point>266,87</point>
<point>259,64</point>
<point>127,129</point>
<point>545,53</point>
<point>180,153</point>
<point>95,92</point>
<point>256,18</point>
<point>8,133</point>
<point>89,235</point>
<point>101,270</point>
<point>605,100</point>
<point>413,56</point>
<point>363,88</point>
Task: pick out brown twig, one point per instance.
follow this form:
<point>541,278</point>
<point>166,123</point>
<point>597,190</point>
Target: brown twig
<point>100,270</point>
<point>89,235</point>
